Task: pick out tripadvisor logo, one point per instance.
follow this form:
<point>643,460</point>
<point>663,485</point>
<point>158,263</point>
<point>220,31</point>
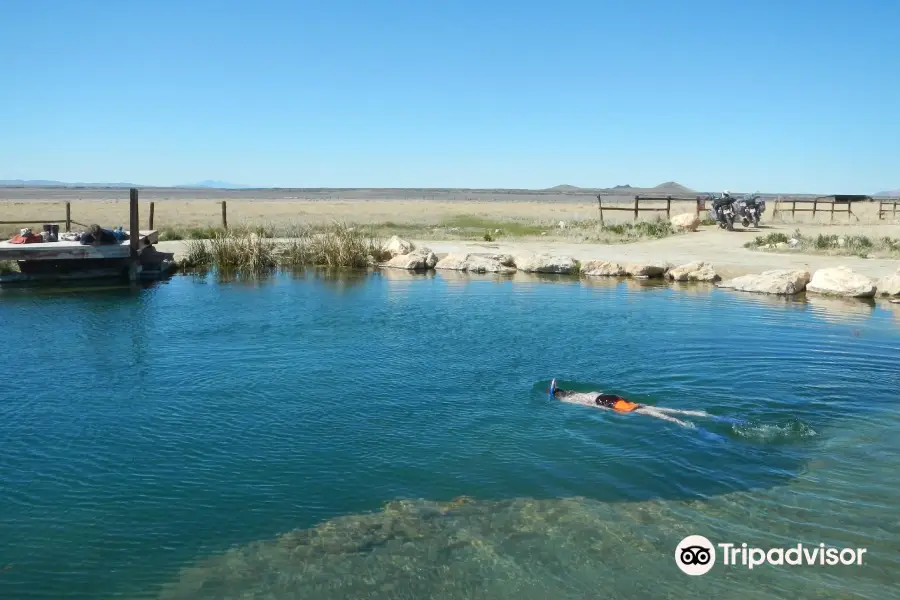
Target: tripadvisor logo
<point>696,555</point>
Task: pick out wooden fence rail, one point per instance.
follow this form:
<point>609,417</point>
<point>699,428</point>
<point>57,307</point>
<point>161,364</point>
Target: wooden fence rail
<point>882,211</point>
<point>830,203</point>
<point>69,221</point>
<point>637,209</point>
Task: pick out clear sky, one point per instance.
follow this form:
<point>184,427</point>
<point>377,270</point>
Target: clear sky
<point>774,95</point>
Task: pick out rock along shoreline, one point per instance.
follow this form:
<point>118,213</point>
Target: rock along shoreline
<point>832,281</point>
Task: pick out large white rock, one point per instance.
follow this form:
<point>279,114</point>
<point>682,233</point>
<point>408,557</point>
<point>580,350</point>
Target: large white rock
<point>544,263</point>
<point>889,285</point>
<point>420,259</point>
<point>397,246</point>
<point>602,268</point>
<point>841,281</point>
<point>477,263</point>
<point>654,269</point>
<point>686,221</point>
<point>780,281</point>
<point>693,271</point>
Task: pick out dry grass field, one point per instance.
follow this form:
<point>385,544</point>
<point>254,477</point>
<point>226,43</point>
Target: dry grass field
<point>419,217</point>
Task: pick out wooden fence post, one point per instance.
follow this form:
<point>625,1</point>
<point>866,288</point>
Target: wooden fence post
<point>134,224</point>
<point>832,209</point>
<point>151,215</point>
<point>668,207</point>
<point>68,217</point>
<point>635,208</point>
<point>794,208</point>
<point>134,233</point>
<point>224,216</point>
<point>815,205</point>
<point>600,208</point>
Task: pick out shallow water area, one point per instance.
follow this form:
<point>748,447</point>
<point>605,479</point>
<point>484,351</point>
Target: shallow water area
<point>390,435</point>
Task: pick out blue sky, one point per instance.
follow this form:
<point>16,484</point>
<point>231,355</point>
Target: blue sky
<point>781,96</point>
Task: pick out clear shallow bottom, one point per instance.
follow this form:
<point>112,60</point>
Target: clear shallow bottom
<point>233,413</point>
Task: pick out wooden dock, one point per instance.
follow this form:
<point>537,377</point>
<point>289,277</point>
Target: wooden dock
<point>134,259</point>
<point>75,250</point>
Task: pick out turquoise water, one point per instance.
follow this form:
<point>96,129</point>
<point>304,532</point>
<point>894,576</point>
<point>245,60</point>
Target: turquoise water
<point>390,436</point>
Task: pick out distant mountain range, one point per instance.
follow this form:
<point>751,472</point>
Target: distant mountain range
<point>52,183</point>
<point>217,185</point>
<point>210,184</point>
<point>669,188</point>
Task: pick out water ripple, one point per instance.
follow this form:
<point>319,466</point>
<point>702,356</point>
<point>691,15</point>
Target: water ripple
<point>217,415</point>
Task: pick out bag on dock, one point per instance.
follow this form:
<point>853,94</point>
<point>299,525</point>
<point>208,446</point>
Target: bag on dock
<point>120,234</point>
<point>26,237</point>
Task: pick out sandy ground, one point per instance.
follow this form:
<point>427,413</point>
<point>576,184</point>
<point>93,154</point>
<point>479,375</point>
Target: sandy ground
<point>724,250</point>
<point>537,209</point>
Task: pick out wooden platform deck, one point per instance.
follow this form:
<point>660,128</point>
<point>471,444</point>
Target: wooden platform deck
<point>73,250</point>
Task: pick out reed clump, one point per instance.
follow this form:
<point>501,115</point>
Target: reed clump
<point>249,249</point>
<point>337,246</point>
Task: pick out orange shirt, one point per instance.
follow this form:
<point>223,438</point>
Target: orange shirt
<point>624,406</point>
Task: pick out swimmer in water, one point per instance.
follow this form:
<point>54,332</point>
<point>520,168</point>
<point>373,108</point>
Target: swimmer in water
<point>619,404</point>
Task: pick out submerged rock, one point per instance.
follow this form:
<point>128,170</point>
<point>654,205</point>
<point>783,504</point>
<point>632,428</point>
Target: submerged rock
<point>519,549</point>
<point>477,263</point>
<point>544,263</point>
<point>397,246</point>
<point>686,221</point>
<point>841,281</point>
<point>693,271</point>
<point>420,259</point>
<point>780,281</point>
<point>602,268</point>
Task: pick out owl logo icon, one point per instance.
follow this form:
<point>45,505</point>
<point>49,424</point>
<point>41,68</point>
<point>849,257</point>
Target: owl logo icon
<point>695,555</point>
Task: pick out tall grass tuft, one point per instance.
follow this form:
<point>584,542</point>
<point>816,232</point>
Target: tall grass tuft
<point>765,240</point>
<point>334,246</point>
<point>237,248</point>
<point>256,250</point>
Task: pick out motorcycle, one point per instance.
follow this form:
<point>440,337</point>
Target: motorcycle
<point>749,209</point>
<point>722,212</point>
